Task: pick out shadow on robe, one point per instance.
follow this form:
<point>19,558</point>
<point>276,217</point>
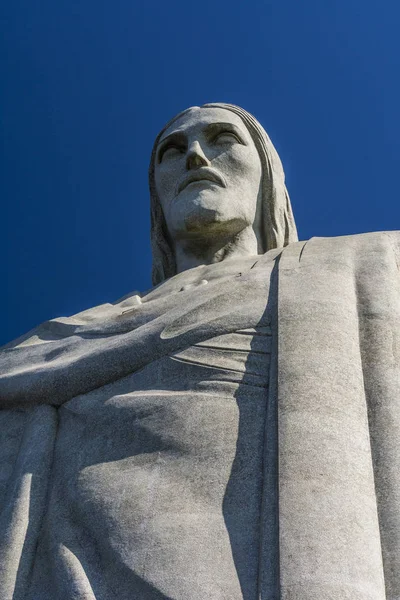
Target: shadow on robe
<point>250,506</point>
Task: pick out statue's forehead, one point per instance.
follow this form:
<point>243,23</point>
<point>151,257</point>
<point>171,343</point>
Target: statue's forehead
<point>199,117</point>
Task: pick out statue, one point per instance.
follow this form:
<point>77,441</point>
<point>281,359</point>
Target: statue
<point>231,434</point>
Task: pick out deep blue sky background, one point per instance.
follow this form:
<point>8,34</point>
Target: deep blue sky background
<point>86,86</point>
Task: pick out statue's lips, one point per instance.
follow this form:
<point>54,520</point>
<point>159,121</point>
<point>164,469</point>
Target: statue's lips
<point>201,175</point>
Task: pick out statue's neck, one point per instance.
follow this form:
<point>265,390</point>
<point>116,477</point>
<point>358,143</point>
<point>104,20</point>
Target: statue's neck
<point>195,251</point>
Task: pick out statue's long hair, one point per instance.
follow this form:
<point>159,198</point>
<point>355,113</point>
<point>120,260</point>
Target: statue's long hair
<point>278,224</point>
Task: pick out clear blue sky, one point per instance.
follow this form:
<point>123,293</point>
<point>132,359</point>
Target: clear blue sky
<point>86,86</point>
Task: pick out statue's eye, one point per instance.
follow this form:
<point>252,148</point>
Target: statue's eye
<point>169,152</point>
<point>226,137</point>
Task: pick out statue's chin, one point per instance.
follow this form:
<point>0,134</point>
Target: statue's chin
<point>206,214</point>
<point>202,219</point>
<point>210,228</point>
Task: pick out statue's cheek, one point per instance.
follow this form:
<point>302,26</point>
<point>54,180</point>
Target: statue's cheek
<point>239,159</point>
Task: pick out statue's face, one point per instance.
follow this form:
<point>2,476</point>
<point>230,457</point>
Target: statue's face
<point>208,174</point>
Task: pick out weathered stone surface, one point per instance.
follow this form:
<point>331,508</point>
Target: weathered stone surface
<point>231,434</point>
<point>158,474</point>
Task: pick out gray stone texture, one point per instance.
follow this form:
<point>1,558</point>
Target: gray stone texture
<point>154,492</point>
<point>232,434</point>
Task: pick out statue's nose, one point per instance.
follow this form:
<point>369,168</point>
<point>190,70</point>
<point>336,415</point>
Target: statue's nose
<point>196,157</point>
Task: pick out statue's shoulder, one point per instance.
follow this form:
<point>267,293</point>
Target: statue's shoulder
<point>360,240</point>
<point>343,249</point>
<point>373,236</point>
<point>376,242</point>
<point>96,318</point>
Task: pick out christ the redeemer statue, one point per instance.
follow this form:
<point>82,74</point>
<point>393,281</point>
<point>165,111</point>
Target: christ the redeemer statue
<point>234,433</point>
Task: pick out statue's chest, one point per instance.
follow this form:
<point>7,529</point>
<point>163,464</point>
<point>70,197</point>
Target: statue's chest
<point>186,313</point>
<point>181,405</point>
<point>175,449</point>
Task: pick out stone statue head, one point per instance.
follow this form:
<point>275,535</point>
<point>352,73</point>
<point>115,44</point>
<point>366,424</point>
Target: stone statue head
<point>246,184</point>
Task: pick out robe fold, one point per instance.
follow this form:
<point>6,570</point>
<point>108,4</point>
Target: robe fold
<point>233,434</point>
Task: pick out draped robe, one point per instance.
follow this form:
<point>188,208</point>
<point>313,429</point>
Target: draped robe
<point>279,478</point>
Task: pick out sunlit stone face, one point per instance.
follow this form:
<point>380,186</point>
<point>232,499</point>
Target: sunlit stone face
<point>208,174</point>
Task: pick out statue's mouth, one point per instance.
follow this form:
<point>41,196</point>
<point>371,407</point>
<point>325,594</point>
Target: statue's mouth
<point>204,174</point>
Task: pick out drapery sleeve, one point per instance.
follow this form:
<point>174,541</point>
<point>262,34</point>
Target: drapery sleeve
<point>339,418</point>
